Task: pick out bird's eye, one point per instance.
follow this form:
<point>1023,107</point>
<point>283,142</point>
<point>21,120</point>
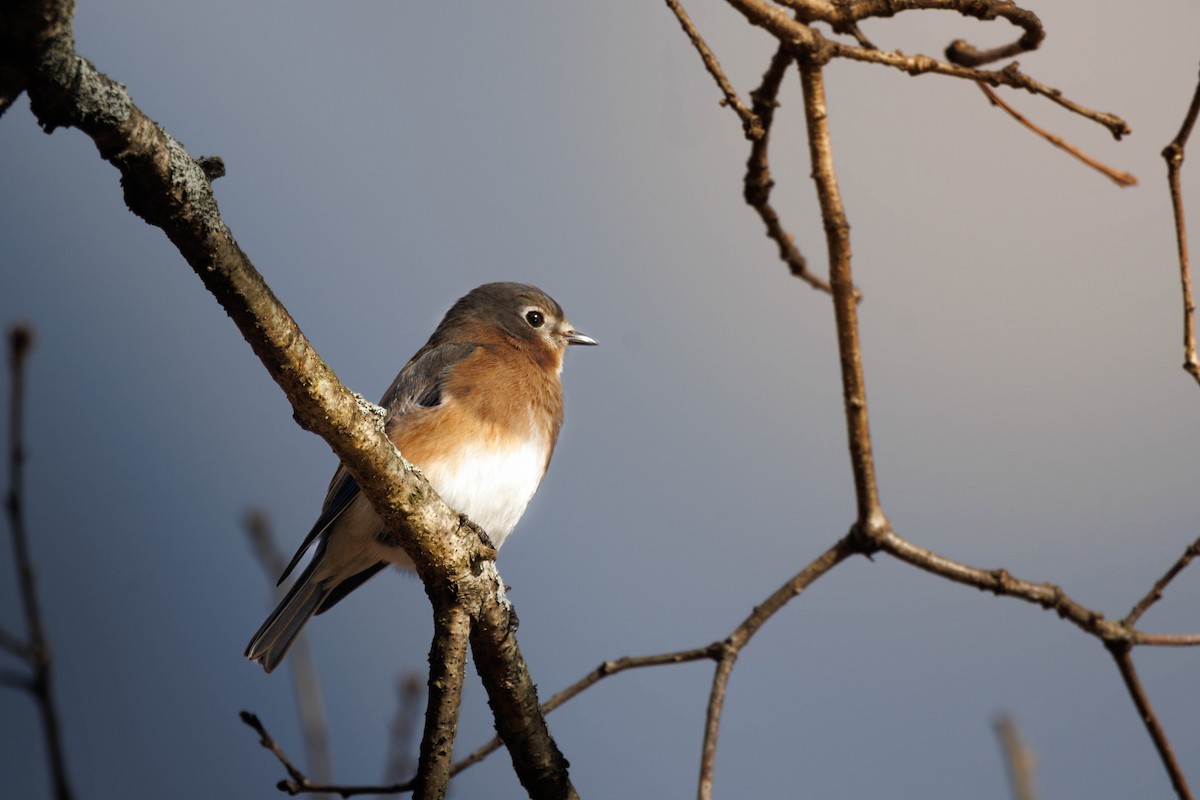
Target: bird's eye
<point>534,318</point>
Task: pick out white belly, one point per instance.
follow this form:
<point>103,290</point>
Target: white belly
<point>490,486</point>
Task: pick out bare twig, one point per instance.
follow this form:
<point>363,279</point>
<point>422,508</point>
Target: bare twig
<point>872,530</point>
<point>871,522</point>
<point>1010,75</point>
<point>756,125</point>
<point>37,652</point>
<point>1121,653</point>
<point>299,783</point>
<point>1046,595</point>
<point>1118,636</point>
<point>605,670</point>
<point>758,182</point>
<point>959,51</point>
<point>750,123</point>
<point>1165,639</point>
<point>723,652</point>
<point>1155,594</point>
<point>306,687</point>
<point>1018,758</point>
<point>267,741</point>
<point>795,32</point>
<point>726,652</point>
<point>1173,153</point>
<point>712,721</point>
<point>1118,177</point>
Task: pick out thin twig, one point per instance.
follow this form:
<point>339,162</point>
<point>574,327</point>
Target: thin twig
<point>712,721</point>
<point>1047,595</point>
<point>751,124</point>
<point>1118,636</point>
<point>959,51</point>
<point>605,670</point>
<point>1018,758</point>
<point>726,652</point>
<point>1165,639</point>
<point>1118,177</point>
<point>37,651</point>
<point>306,687</point>
<point>717,651</point>
<point>1121,653</point>
<point>799,35</point>
<point>997,581</point>
<point>1173,153</point>
<point>1010,75</point>
<point>1156,593</point>
<point>299,783</point>
<point>871,522</point>
<point>758,183</point>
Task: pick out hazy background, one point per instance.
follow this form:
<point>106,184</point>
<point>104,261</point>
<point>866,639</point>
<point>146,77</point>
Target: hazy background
<point>1021,335</point>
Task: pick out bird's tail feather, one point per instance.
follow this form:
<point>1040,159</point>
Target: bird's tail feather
<point>270,644</point>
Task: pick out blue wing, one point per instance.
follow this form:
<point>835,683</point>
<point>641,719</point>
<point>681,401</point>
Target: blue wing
<point>342,492</point>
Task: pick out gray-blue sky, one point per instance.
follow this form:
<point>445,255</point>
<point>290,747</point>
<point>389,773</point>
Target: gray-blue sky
<point>1021,333</point>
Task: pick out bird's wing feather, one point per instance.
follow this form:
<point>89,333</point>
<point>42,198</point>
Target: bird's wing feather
<point>347,586</point>
<point>419,385</point>
<point>342,491</point>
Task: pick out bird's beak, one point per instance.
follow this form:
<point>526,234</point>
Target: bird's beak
<point>575,337</point>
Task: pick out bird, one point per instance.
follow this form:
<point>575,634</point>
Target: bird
<point>478,410</point>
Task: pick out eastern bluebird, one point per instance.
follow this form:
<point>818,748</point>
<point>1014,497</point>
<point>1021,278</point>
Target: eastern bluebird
<point>478,409</point>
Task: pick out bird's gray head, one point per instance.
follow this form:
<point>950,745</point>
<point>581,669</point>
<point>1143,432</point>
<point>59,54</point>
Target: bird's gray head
<point>521,313</point>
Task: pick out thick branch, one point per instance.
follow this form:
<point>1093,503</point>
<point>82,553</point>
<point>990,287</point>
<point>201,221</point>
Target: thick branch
<point>447,667</point>
<point>513,698</point>
<point>168,188</point>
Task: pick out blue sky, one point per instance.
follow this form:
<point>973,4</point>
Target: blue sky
<point>1021,334</point>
